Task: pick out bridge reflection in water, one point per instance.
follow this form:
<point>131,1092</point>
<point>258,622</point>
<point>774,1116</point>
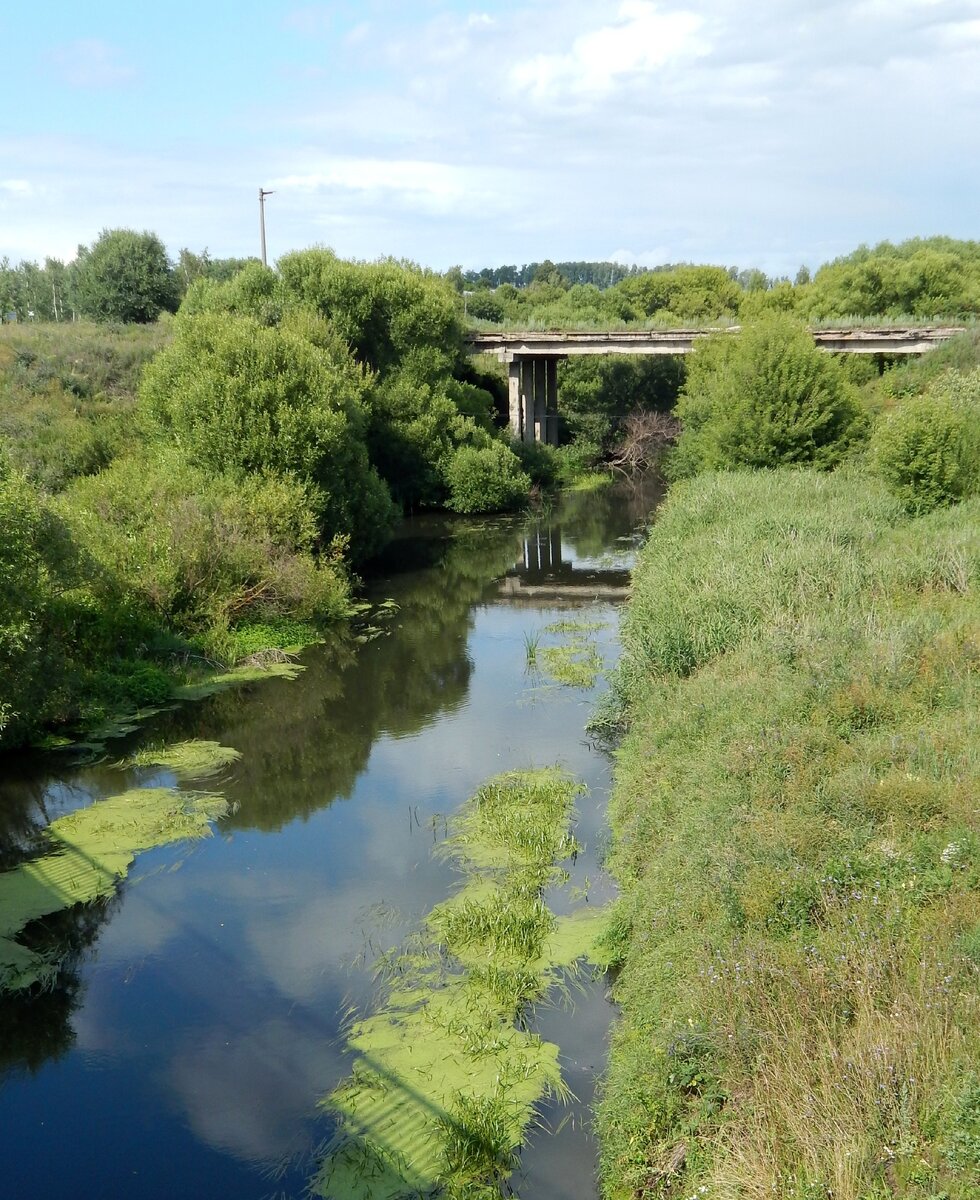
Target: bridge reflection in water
<point>545,577</point>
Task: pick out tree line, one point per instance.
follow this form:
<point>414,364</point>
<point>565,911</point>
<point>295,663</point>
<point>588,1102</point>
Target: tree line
<point>920,279</point>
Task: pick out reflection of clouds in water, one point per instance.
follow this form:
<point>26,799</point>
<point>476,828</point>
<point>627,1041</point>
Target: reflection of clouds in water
<point>253,1094</point>
<point>264,1048</point>
<point>453,758</point>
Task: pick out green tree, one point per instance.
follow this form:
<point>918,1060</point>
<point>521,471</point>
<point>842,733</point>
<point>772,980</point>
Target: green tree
<point>289,400</point>
<point>763,398</point>
<point>36,565</point>
<point>598,394</point>
<point>125,276</point>
<point>683,293</point>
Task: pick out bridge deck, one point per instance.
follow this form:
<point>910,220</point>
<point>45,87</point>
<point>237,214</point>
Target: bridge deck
<point>566,343</point>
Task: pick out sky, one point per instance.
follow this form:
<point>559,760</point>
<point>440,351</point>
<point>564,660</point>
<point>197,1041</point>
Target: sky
<point>769,134</point>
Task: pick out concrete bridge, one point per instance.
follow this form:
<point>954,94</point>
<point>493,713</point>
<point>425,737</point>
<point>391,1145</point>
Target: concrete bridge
<point>532,359</point>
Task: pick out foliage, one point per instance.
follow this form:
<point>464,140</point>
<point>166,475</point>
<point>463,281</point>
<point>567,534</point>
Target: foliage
<point>125,276</point>
<point>37,565</point>
<point>763,398</point>
<point>244,398</point>
<point>927,450</point>
<point>794,833</point>
<point>685,293</point>
<point>541,462</point>
<point>419,398</point>
<point>599,393</point>
<point>201,552</point>
<point>67,394</point>
<point>922,277</point>
<point>385,311</point>
<point>486,479</point>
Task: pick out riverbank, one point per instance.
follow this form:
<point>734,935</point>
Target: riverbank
<point>794,824</point>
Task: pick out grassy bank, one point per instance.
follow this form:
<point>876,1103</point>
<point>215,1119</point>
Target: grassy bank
<point>795,832</point>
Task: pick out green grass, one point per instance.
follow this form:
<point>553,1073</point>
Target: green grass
<point>574,659</point>
<point>795,832</point>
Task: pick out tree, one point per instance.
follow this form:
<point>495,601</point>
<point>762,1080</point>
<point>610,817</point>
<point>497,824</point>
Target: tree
<point>764,398</point>
<point>126,276</point>
<point>242,398</point>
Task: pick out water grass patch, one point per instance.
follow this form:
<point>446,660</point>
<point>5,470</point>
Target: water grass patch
<point>194,759</point>
<point>447,1075</point>
<point>574,660</point>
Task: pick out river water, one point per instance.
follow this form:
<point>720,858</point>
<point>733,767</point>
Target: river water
<point>200,1013</point>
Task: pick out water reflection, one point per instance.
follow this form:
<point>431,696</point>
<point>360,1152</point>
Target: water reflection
<point>192,1049</point>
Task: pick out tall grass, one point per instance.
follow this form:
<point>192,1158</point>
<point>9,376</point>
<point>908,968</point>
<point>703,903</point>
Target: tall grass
<point>795,829</point>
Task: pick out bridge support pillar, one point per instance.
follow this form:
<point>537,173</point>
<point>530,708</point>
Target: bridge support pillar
<point>532,399</point>
<point>527,399</point>
<point>515,400</point>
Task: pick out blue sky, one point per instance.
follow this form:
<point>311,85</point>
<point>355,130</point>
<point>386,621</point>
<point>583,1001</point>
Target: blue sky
<point>768,134</point>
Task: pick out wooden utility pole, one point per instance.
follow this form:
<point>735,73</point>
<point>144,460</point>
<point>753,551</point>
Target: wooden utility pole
<point>262,196</point>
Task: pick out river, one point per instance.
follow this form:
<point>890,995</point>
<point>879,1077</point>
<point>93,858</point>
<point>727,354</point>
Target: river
<point>199,1015</point>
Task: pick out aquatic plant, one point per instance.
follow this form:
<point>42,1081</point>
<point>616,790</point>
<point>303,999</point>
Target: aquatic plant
<point>575,661</point>
<point>446,1079</point>
<point>531,642</point>
<point>195,759</point>
<point>91,851</point>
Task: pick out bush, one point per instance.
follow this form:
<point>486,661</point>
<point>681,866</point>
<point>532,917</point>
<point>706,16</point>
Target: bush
<point>37,564</point>
<point>765,397</point>
<point>928,450</point>
<point>240,397</point>
<point>487,479</point>
<point>203,552</point>
<point>541,462</point>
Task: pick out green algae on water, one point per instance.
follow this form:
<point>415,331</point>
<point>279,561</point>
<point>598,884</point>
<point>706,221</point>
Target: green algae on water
<point>194,759</point>
<point>575,661</point>
<point>220,682</point>
<point>447,1076</point>
<point>91,851</point>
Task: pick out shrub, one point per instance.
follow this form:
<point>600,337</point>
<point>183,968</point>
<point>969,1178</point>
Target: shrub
<point>486,479</point>
<point>204,552</point>
<point>37,564</point>
<point>928,450</point>
<point>541,462</point>
<point>240,397</point>
<point>765,397</point>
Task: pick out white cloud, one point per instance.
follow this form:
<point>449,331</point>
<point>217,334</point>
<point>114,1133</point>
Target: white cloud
<point>92,63</point>
<point>641,41</point>
<point>426,186</point>
<point>16,187</point>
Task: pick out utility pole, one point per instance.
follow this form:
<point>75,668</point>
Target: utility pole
<point>262,196</point>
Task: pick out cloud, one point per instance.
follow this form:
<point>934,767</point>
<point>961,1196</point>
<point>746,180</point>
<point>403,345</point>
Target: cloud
<point>92,63</point>
<point>424,186</point>
<point>641,41</point>
<point>16,187</point>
